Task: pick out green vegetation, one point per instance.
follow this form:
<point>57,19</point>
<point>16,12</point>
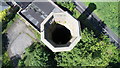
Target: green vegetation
<point>108,12</point>
<point>6,60</point>
<point>8,25</point>
<point>3,14</point>
<point>7,17</point>
<point>89,51</point>
<point>35,55</point>
<point>76,13</point>
<point>37,35</point>
<point>71,7</point>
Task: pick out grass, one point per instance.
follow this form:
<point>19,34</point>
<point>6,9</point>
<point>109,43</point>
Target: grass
<point>10,23</point>
<point>6,57</point>
<point>108,12</point>
<point>6,60</point>
<point>76,13</point>
<point>71,8</point>
<point>37,35</point>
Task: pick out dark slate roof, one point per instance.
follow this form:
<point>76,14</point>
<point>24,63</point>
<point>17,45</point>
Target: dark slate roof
<point>10,3</point>
<point>33,17</point>
<point>36,12</point>
<point>23,5</point>
<point>47,7</point>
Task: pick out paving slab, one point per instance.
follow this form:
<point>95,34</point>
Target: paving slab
<point>20,37</point>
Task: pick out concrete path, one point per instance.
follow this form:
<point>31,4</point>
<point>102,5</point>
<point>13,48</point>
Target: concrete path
<point>19,37</point>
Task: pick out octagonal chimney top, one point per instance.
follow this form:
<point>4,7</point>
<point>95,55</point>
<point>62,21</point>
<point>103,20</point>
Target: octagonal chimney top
<point>60,32</point>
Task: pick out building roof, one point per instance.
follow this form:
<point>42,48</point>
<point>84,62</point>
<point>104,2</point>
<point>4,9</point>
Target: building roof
<point>36,12</point>
<point>46,7</point>
<point>23,3</point>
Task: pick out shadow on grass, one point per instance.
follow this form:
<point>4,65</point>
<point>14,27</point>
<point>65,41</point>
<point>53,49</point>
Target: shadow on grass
<point>113,65</point>
<point>5,62</point>
<point>51,59</point>
<point>88,20</point>
<point>10,15</point>
<point>15,59</point>
<point>5,42</point>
